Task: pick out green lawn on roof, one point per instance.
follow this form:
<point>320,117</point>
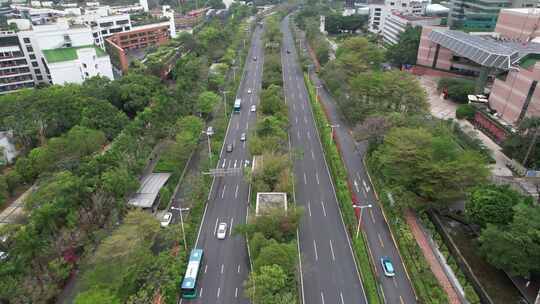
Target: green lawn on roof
<point>68,54</point>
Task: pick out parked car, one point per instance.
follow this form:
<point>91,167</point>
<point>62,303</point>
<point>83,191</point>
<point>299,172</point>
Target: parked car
<point>253,108</point>
<point>288,52</point>
<point>166,220</point>
<point>249,91</point>
<point>387,266</point>
<point>254,58</point>
<point>229,148</point>
<point>243,137</point>
<point>221,231</point>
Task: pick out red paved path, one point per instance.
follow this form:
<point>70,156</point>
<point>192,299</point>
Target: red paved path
<point>432,260</point>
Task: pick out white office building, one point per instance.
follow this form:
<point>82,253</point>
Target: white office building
<point>104,24</point>
<point>379,11</point>
<point>58,53</point>
<point>396,23</point>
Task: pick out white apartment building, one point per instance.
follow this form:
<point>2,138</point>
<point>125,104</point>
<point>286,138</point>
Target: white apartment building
<point>379,10</point>
<point>104,24</point>
<point>53,53</point>
<point>396,23</point>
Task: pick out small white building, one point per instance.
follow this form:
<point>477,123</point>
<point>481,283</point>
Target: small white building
<point>76,64</point>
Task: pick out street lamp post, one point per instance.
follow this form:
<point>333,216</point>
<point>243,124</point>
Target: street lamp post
<point>182,224</point>
<point>208,134</point>
<point>360,218</point>
<point>225,101</point>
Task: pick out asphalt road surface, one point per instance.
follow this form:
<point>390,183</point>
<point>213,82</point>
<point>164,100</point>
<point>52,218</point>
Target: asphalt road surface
<point>226,265</point>
<point>328,270</point>
<point>396,289</point>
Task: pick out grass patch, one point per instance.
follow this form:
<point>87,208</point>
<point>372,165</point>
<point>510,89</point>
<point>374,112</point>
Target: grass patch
<point>339,176</point>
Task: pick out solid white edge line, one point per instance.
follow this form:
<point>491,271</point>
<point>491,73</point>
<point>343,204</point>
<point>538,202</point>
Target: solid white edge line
<point>336,200</point>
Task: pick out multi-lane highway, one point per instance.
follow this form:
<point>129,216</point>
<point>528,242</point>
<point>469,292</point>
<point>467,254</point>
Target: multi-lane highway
<point>328,270</point>
<point>397,289</point>
<point>226,266</point>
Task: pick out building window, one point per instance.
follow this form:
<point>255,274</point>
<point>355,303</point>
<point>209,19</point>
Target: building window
<point>86,74</point>
<point>106,24</point>
<point>26,40</point>
<point>392,3</point>
<point>96,66</point>
<point>37,71</point>
<point>95,34</point>
<point>104,32</point>
<point>29,48</point>
<point>84,65</point>
<point>35,64</point>
<point>119,22</point>
<point>404,4</point>
<point>39,77</point>
<point>32,56</point>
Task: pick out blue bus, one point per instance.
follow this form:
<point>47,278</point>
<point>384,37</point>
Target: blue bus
<point>189,284</point>
<point>237,105</point>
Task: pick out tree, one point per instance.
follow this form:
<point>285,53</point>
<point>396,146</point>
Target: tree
<point>516,247</point>
<point>206,102</point>
<point>524,143</point>
<point>97,296</point>
<point>271,101</point>
<point>120,261</point>
<point>406,49</point>
<point>283,255</point>
<point>274,224</point>
<point>492,204</point>
<point>264,285</point>
<point>103,116</point>
<point>336,23</point>
<point>430,166</point>
<point>383,92</point>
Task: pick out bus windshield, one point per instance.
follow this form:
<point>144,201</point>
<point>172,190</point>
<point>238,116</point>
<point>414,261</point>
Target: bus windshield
<point>189,284</point>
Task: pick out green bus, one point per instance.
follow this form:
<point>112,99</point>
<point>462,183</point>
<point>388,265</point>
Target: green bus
<point>189,284</point>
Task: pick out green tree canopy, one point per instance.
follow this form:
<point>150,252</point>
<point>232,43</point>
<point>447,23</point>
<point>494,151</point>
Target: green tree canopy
<point>515,247</point>
<point>265,285</point>
<point>492,204</point>
<point>405,51</point>
<point>430,166</point>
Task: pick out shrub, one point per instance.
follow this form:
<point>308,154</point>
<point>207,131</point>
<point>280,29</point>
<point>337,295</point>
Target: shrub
<point>458,89</point>
<point>465,111</point>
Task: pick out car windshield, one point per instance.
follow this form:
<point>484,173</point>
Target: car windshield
<point>389,266</point>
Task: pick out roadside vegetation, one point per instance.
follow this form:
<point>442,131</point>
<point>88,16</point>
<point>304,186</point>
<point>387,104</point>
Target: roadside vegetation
<point>272,235</point>
<point>84,148</point>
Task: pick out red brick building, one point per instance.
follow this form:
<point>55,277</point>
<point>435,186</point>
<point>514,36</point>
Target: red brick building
<point>140,37</point>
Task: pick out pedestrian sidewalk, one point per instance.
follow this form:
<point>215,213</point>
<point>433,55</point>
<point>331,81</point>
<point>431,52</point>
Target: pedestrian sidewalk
<point>427,251</point>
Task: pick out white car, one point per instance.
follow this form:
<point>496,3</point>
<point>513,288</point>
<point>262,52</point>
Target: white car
<point>166,220</point>
<point>221,231</point>
<point>249,91</point>
<point>243,137</point>
<point>253,108</point>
